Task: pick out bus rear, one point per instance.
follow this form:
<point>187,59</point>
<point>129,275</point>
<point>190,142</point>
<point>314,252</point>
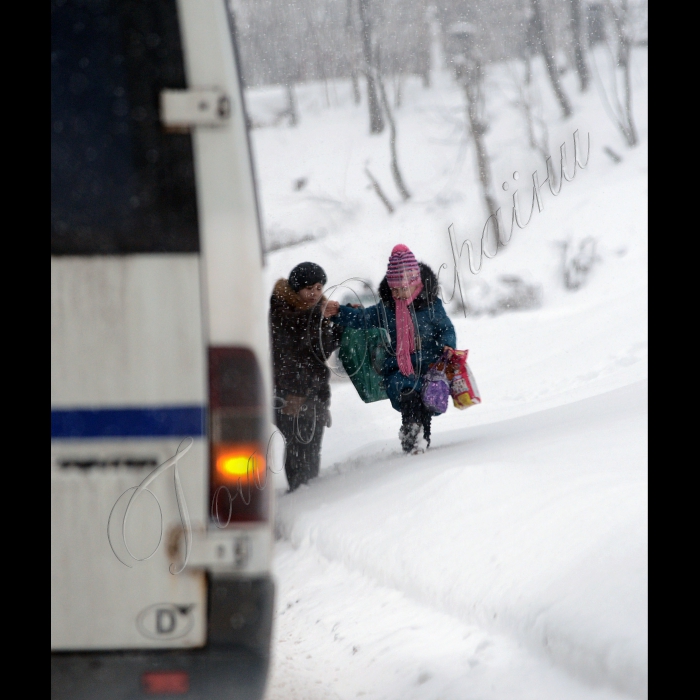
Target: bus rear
<point>160,418</point>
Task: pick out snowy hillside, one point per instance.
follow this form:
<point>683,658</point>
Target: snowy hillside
<point>510,560</point>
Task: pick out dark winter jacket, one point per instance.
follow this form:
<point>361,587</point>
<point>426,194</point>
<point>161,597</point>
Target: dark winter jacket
<point>297,351</point>
<point>434,328</point>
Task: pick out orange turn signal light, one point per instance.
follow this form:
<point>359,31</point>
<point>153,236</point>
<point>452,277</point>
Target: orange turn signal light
<point>238,462</point>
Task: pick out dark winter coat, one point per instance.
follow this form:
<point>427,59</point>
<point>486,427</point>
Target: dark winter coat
<point>434,328</point>
<point>297,350</point>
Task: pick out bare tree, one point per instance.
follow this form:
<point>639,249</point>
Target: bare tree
<point>577,35</point>
<point>376,120</point>
<point>468,71</point>
<point>380,192</point>
<point>320,40</point>
<point>530,105</point>
<point>283,14</point>
<point>478,129</point>
<point>620,13</point>
<point>291,110</point>
<point>395,172</point>
<point>354,79</point>
<point>542,38</point>
<point>315,43</point>
<point>398,90</point>
<point>619,110</point>
<point>354,72</point>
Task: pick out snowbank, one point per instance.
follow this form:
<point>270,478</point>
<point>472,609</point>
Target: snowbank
<point>535,526</point>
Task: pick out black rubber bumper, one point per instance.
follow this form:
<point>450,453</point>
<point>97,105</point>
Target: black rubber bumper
<point>233,665</point>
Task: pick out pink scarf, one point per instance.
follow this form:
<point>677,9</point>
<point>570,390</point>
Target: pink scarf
<point>405,332</point>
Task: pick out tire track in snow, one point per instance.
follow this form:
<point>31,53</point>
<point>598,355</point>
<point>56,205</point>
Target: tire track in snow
<point>339,636</point>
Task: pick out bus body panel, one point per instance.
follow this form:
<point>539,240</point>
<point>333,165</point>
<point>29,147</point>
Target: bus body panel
<point>129,337</point>
<point>126,331</point>
<point>231,247</point>
<point>98,602</point>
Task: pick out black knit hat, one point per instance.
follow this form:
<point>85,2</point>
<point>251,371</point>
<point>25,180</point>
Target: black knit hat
<point>306,274</point>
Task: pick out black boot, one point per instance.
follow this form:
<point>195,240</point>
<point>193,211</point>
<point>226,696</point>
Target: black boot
<point>426,418</point>
<point>411,420</point>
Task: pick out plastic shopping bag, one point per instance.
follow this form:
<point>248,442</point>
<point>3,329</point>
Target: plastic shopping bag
<point>362,353</point>
<point>463,387</point>
<point>436,387</point>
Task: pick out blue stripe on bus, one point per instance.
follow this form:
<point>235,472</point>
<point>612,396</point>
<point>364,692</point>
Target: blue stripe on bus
<point>163,421</point>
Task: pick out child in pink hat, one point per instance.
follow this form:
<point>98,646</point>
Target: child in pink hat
<point>419,329</point>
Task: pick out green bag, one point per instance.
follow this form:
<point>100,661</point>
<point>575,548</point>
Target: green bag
<point>362,354</point>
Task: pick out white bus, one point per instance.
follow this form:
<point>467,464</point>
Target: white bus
<point>159,343</point>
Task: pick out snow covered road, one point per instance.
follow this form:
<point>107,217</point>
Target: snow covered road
<point>485,568</point>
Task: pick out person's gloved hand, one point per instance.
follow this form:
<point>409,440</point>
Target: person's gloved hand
<point>292,405</point>
<point>330,308</point>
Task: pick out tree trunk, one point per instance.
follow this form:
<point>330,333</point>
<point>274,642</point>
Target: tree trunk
<point>625,117</point>
<point>577,34</point>
<point>424,70</point>
<point>537,132</point>
<point>398,83</point>
<point>350,33</point>
<point>376,120</point>
<point>291,106</point>
<point>632,138</point>
<point>355,87</point>
<point>528,69</point>
<point>395,172</point>
<point>380,193</point>
<point>552,69</point>
<point>477,129</point>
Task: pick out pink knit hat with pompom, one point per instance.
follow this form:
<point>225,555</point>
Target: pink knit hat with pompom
<point>403,267</point>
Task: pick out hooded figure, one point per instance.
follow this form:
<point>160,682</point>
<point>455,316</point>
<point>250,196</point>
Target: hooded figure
<point>419,331</point>
<point>301,339</point>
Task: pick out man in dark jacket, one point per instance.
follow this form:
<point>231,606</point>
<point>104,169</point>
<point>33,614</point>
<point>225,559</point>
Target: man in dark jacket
<point>302,338</point>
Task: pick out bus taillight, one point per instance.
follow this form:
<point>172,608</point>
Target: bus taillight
<point>239,491</point>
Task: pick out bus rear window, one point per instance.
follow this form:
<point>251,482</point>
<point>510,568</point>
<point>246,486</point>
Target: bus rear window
<point>119,182</point>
